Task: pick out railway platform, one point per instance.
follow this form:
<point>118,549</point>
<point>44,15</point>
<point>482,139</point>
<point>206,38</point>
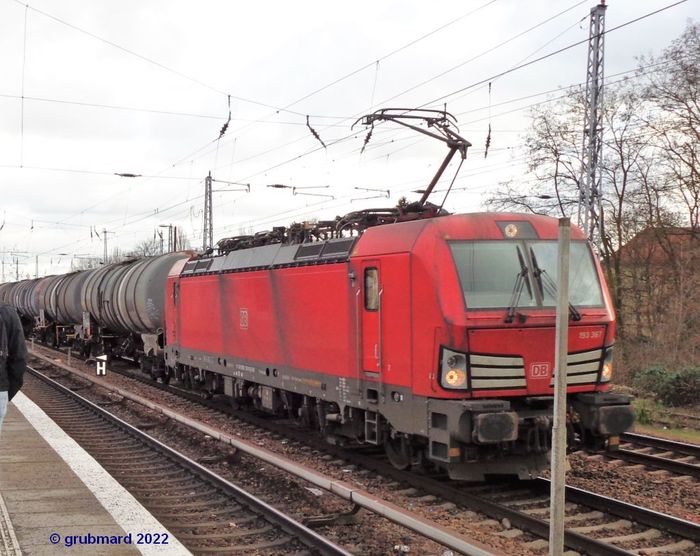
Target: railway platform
<point>56,499</point>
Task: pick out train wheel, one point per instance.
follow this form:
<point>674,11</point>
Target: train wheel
<point>398,451</point>
<point>187,379</point>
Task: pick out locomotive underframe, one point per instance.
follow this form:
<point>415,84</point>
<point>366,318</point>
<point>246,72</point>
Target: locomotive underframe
<point>468,438</point>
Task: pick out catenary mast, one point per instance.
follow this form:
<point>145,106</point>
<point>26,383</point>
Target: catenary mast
<point>590,214</point>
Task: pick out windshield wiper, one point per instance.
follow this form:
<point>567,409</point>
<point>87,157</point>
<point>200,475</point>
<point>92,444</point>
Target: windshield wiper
<point>520,281</point>
<point>545,281</point>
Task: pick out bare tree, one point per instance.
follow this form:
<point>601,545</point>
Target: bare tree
<point>673,88</point>
<point>146,248</point>
<point>183,241</point>
<point>553,148</point>
<point>650,190</point>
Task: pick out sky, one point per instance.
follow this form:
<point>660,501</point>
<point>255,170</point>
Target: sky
<point>94,89</point>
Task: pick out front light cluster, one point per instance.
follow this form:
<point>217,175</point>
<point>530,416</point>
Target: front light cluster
<point>453,371</point>
<point>607,371</point>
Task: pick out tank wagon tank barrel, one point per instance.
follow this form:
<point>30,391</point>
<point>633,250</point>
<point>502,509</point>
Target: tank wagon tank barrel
<point>25,299</point>
<point>140,300</point>
<point>46,293</point>
<point>92,292</point>
<point>5,292</point>
<point>129,297</point>
<point>69,309</point>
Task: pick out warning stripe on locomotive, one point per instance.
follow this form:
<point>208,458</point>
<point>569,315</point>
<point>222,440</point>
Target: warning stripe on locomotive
<point>499,372</point>
<point>582,368</point>
<point>494,371</point>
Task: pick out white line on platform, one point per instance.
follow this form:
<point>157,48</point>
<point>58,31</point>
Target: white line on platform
<point>128,512</point>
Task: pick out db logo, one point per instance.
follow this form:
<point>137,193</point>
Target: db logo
<point>539,370</point>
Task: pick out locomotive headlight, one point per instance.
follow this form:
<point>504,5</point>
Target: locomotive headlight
<point>455,378</point>
<point>453,370</point>
<point>607,372</point>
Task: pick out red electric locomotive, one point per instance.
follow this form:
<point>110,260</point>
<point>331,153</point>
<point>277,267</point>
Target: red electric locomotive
<point>433,338</point>
<point>426,333</point>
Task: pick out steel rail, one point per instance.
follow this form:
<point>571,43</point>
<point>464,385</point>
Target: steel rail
<point>308,537</point>
<point>651,460</point>
<point>662,444</point>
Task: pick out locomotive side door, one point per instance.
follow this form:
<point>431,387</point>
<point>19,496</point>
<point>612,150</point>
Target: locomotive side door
<point>371,317</point>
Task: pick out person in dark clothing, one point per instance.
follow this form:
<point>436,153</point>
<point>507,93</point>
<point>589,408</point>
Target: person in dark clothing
<point>13,356</point>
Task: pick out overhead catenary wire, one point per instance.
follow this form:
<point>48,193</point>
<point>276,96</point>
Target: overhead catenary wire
<point>147,214</point>
<point>638,70</point>
<point>570,87</point>
<point>530,29</point>
<point>380,59</point>
<point>511,163</point>
<point>199,153</point>
<point>482,53</point>
<point>277,217</point>
<point>97,172</point>
<point>364,67</point>
<point>235,133</point>
<point>150,60</point>
<point>162,112</point>
<point>679,2</point>
<point>550,54</point>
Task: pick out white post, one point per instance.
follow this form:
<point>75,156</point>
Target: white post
<point>70,353</point>
<point>557,499</point>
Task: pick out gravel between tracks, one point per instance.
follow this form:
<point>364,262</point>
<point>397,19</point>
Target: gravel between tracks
<point>660,490</point>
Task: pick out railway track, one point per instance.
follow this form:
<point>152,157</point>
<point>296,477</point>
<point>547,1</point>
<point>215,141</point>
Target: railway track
<point>596,524</point>
<point>659,453</point>
<point>208,514</point>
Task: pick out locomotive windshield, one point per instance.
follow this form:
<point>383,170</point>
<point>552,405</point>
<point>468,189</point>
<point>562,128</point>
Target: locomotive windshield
<point>488,271</point>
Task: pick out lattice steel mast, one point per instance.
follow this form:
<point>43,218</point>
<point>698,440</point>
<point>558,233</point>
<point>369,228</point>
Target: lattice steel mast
<point>590,214</point>
<point>208,229</point>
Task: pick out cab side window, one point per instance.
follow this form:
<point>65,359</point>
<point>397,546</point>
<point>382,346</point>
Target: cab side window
<point>371,289</point>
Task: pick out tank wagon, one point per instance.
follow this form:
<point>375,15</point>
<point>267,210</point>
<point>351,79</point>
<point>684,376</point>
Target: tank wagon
<point>117,309</point>
<point>432,337</point>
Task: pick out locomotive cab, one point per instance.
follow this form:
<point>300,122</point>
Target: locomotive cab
<point>494,364</point>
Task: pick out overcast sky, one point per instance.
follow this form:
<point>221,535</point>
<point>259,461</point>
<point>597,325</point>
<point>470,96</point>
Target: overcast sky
<point>142,87</point>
